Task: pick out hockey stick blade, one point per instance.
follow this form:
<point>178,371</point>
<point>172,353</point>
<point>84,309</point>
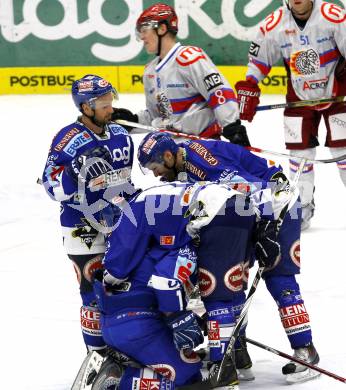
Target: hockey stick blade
<point>294,359</point>
<point>302,103</point>
<point>250,148</point>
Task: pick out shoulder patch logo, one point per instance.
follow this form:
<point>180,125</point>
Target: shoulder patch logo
<point>190,55</point>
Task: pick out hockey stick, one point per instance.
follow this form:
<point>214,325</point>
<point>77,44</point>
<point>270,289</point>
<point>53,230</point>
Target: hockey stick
<point>250,148</point>
<point>302,103</point>
<point>220,376</point>
<point>294,359</point>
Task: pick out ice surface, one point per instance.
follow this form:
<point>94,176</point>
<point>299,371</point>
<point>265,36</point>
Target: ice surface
<point>41,343</point>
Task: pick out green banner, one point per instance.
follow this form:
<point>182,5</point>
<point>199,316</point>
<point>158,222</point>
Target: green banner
<point>102,32</point>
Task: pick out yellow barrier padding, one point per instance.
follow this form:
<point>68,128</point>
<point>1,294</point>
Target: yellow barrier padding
<point>126,79</point>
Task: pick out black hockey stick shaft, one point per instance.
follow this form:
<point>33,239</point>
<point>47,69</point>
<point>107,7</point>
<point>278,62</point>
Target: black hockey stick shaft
<point>294,359</point>
<point>302,103</point>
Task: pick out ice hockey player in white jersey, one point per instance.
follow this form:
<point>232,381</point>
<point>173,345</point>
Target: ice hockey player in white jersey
<point>183,88</point>
<point>310,37</point>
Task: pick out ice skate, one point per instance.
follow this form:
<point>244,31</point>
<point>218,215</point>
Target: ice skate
<point>243,361</point>
<point>230,378</point>
<point>295,372</point>
<point>109,376</point>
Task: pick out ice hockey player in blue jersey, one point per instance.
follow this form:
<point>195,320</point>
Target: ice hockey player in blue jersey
<point>88,170</point>
<point>148,264</point>
<point>226,162</point>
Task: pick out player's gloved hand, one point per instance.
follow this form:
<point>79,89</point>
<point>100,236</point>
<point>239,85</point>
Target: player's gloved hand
<point>126,115</point>
<point>267,248</point>
<point>187,333</point>
<point>90,164</point>
<point>110,281</point>
<point>236,133</point>
<point>248,99</point>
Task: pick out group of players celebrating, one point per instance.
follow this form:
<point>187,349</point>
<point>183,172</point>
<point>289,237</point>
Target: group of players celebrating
<point>140,255</point>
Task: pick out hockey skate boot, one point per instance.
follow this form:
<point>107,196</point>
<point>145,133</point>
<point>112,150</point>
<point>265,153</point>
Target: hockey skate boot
<point>229,380</point>
<point>243,361</point>
<point>308,211</point>
<point>109,376</point>
<point>295,372</point>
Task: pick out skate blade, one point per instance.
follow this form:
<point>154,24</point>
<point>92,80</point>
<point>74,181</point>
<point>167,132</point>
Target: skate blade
<point>245,374</point>
<point>302,376</point>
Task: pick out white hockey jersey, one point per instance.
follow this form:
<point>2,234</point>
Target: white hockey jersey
<point>185,91</point>
<point>310,54</point>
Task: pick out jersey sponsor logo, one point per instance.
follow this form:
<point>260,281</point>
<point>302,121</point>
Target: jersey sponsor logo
<point>195,171</point>
<point>66,138</point>
<point>294,318</point>
<point>214,334</point>
<point>305,62</point>
<point>290,32</point>
<point>85,86</point>
<point>190,55</point>
<point>316,84</point>
<point>206,282</point>
<point>254,49</point>
<point>233,278</point>
<point>122,154</point>
<point>90,321</point>
<point>295,253</point>
<point>184,269</point>
<point>147,147</point>
<point>167,240</point>
<point>116,129</point>
<point>145,384</point>
<point>77,142</point>
<point>165,370</point>
<point>178,85</point>
<point>333,13</point>
<point>212,81</point>
<point>204,153</point>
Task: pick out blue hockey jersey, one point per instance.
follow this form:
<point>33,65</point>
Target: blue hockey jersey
<point>78,202</point>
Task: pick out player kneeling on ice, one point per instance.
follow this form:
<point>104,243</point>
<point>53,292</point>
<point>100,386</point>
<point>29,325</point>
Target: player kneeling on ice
<point>265,182</point>
<point>88,167</point>
<point>150,263</point>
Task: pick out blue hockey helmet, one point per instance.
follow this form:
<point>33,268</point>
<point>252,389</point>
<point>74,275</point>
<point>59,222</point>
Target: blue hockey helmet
<point>153,146</point>
<point>89,88</point>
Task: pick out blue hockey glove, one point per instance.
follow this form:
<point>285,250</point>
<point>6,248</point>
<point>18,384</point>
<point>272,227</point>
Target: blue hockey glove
<point>90,164</point>
<point>267,248</point>
<point>186,332</point>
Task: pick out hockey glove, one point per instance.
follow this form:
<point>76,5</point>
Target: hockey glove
<point>236,133</point>
<point>90,164</point>
<point>186,332</point>
<point>248,99</point>
<point>267,248</point>
<point>110,281</point>
<point>280,183</point>
<point>124,114</point>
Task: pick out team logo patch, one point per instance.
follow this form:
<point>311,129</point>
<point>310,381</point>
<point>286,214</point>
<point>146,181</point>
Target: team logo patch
<point>254,49</point>
<point>295,253</point>
<point>165,370</point>
<point>305,62</point>
<point>167,240</point>
<point>189,356</point>
<point>190,55</point>
<point>212,81</point>
<point>103,83</point>
<point>206,282</point>
<point>91,266</point>
<point>85,232</point>
<point>333,13</point>
<point>233,278</point>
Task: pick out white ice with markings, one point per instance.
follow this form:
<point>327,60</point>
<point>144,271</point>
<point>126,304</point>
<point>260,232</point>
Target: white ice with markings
<point>41,343</point>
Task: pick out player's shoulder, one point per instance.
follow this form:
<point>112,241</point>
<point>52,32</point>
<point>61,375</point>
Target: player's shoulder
<point>72,134</point>
<point>330,13</point>
<point>115,129</point>
<point>188,55</point>
<point>273,22</point>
